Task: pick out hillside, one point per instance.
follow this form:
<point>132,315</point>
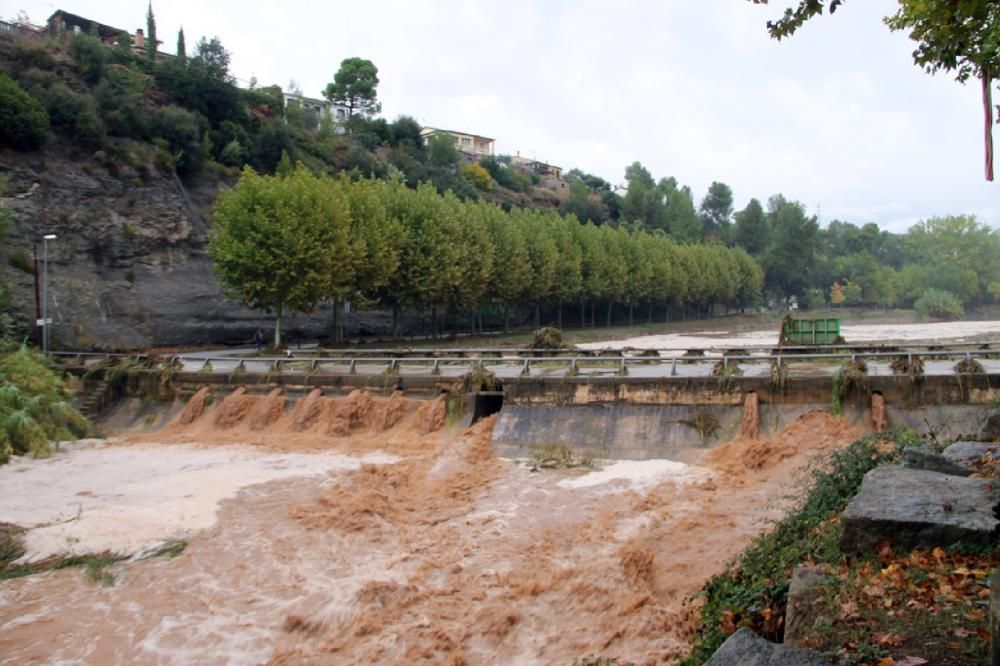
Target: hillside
<point>126,166</point>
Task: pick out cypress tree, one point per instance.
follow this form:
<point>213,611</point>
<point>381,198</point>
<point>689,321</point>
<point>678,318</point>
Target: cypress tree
<point>150,33</point>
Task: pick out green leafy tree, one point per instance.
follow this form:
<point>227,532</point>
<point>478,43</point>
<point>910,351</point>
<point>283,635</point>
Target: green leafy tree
<point>852,293</point>
<point>474,260</point>
<point>509,279</point>
<point>939,304</point>
<point>213,58</point>
<point>790,256</point>
<point>568,277</point>
<point>682,221</point>
<point>23,121</point>
<point>430,262</point>
<point>441,150</point>
<point>355,86</point>
<point>716,211</point>
<point>90,56</point>
<point>584,204</point>
<point>278,244</point>
<point>750,230</point>
<point>956,254</point>
<point>181,46</point>
<point>644,200</point>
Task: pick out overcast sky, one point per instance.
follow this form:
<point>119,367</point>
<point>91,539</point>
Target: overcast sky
<point>836,117</point>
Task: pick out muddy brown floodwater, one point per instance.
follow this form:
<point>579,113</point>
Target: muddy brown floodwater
<point>448,555</point>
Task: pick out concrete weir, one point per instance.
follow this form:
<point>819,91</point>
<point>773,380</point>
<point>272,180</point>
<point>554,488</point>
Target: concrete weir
<point>636,419</point>
<point>618,417</point>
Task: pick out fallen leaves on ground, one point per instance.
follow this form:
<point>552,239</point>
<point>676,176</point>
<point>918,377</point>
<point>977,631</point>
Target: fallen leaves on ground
<point>926,606</point>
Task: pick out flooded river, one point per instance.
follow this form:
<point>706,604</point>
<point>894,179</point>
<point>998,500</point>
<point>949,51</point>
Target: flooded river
<point>362,530</point>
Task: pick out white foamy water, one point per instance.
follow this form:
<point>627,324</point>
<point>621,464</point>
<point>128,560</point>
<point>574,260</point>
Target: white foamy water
<point>123,499</point>
<point>637,474</point>
<point>954,331</point>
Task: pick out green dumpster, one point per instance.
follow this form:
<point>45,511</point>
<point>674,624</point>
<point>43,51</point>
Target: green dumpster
<point>821,331</point>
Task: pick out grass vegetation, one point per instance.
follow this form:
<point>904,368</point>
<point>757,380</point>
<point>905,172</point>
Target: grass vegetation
<point>909,366</point>
<point>549,338</point>
<point>726,371</point>
<point>754,589</point>
<point>851,379</point>
<point>706,424</point>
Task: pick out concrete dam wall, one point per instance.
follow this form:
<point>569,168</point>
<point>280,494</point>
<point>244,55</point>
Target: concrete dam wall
<point>615,417</point>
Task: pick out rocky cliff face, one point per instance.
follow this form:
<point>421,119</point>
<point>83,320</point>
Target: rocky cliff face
<point>129,268</point>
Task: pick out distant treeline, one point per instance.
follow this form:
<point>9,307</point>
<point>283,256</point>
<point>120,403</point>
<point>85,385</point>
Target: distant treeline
<point>288,242</point>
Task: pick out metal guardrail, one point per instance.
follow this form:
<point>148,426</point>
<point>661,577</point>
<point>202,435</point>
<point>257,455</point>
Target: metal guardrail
<point>616,360</point>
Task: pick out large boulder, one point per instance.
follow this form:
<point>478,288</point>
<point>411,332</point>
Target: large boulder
<point>990,430</point>
<point>913,508</point>
<point>745,648</point>
<point>805,603</point>
<point>971,454</point>
<point>922,457</point>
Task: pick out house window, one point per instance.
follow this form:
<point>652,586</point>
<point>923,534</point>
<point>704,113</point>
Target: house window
<point>466,142</point>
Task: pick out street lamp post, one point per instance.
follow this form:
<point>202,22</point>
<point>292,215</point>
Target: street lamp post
<point>45,291</point>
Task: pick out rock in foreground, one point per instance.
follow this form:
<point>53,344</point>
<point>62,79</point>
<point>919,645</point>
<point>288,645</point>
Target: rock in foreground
<point>912,508</point>
<point>745,648</point>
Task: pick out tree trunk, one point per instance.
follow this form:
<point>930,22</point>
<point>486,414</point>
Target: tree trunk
<point>538,316</point>
<point>506,320</point>
<point>395,321</point>
<point>593,314</point>
<point>631,314</point>
<point>277,329</point>
<point>559,316</point>
<point>611,304</point>
<point>336,321</point>
<point>649,314</point>
<point>583,315</point>
<point>434,322</point>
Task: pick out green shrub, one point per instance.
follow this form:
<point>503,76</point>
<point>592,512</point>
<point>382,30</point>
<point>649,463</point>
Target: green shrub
<point>72,114</point>
<point>939,304</point>
<point>90,56</point>
<point>233,154</point>
<point>23,121</point>
<point>30,55</point>
<point>34,406</point>
<point>181,129</point>
<point>477,175</point>
<point>120,96</point>
<point>548,338</point>
<point>21,262</point>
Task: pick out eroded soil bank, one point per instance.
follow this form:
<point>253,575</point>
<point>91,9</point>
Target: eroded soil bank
<point>438,551</point>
